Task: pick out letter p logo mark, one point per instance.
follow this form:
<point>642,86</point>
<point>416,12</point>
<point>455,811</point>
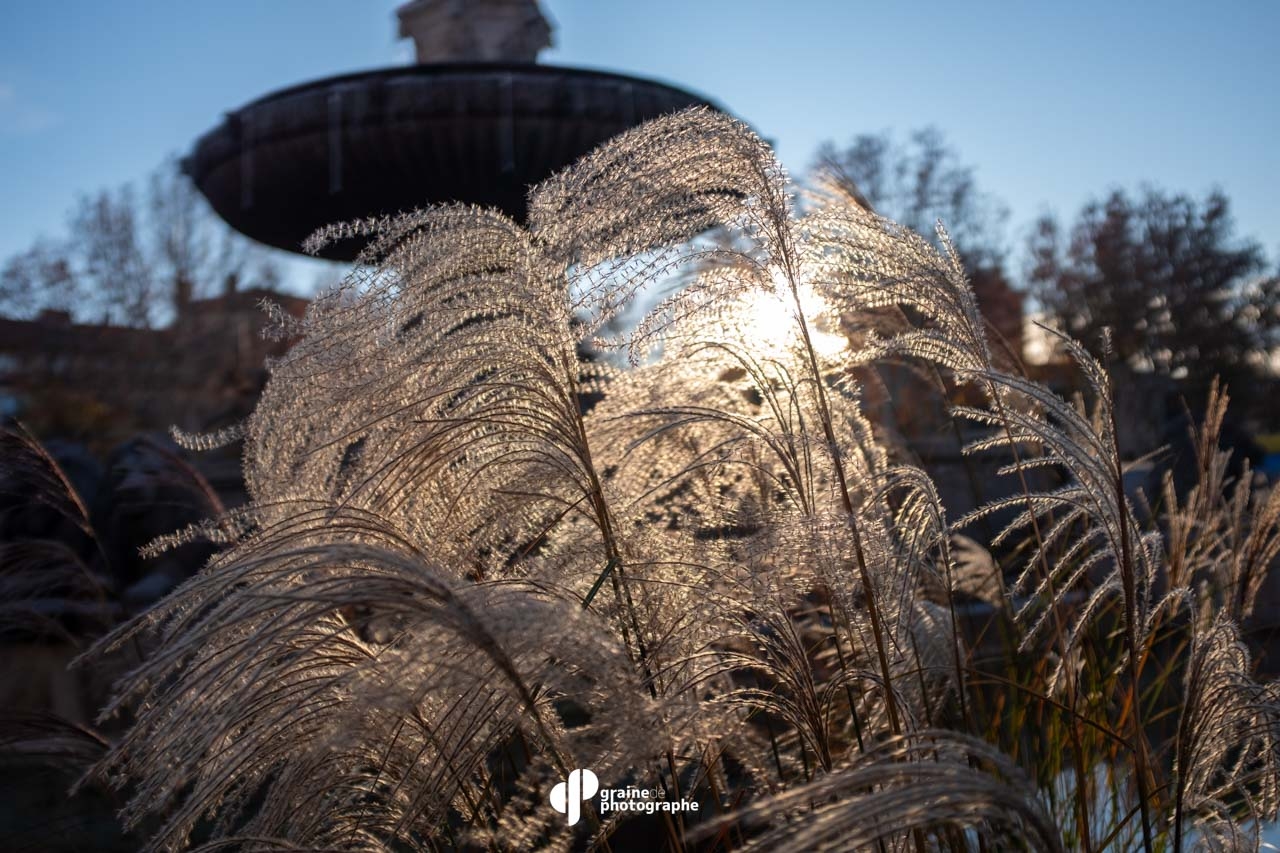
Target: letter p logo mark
<point>567,797</point>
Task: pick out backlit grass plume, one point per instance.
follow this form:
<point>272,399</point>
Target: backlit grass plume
<point>474,560</point>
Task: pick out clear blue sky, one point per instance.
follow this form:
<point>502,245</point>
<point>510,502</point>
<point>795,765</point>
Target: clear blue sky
<point>1052,103</point>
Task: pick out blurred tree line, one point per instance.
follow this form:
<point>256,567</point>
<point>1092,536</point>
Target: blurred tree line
<point>1165,273</point>
<point>134,259</point>
<point>1180,293</point>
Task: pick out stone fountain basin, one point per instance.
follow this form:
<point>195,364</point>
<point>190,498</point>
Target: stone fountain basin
<point>395,139</point>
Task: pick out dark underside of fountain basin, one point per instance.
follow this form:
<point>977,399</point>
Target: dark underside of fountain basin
<point>396,139</point>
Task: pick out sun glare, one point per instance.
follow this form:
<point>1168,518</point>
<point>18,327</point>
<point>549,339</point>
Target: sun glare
<point>770,322</point>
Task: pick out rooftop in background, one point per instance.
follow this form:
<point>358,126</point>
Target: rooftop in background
<point>89,381</point>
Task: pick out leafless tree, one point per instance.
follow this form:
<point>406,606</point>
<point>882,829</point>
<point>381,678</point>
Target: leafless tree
<point>126,254</point>
<point>40,277</point>
<point>194,254</point>
<point>107,245</point>
<point>919,184</point>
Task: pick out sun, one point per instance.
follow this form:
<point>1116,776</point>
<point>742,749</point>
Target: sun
<point>769,322</point>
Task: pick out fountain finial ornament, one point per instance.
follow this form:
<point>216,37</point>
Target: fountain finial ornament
<point>475,30</point>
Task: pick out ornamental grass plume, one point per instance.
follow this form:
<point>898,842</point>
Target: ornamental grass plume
<point>474,561</point>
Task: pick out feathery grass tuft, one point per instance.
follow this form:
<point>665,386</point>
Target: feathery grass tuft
<point>474,561</point>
